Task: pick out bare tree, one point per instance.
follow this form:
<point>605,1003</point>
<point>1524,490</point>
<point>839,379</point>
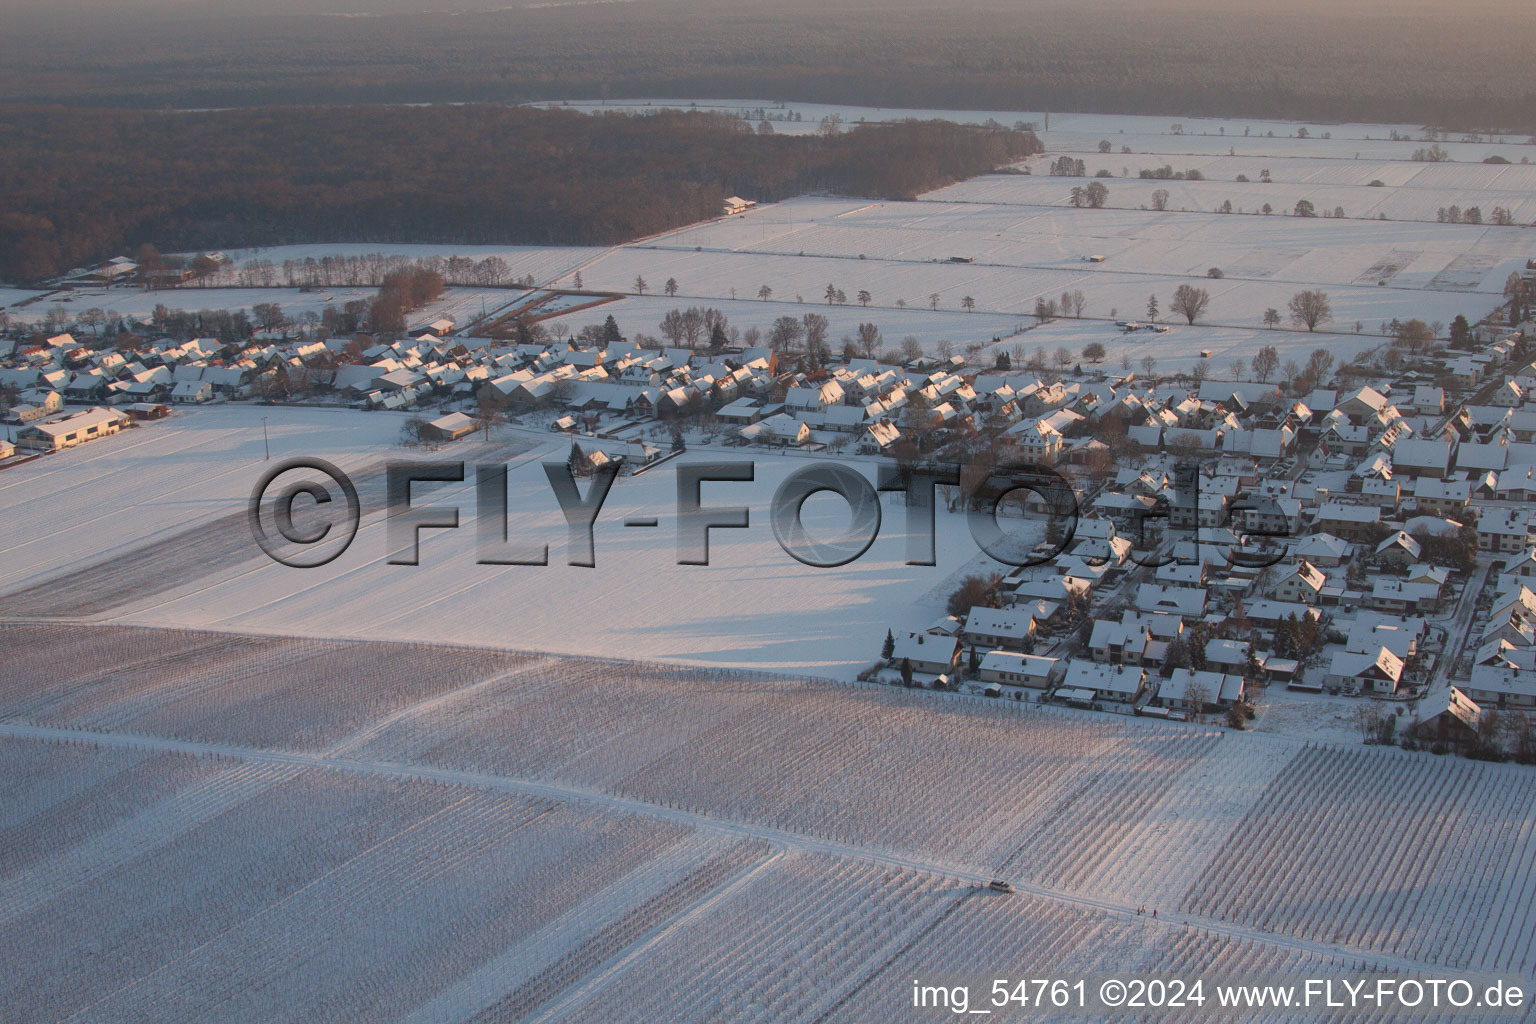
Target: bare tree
<point>1190,301</point>
<point>671,286</point>
<point>765,293</point>
<point>1271,318</point>
<point>1079,303</point>
<point>968,304</point>
<point>785,333</point>
<point>1310,308</point>
<point>1318,365</point>
<point>1201,370</point>
<point>1198,697</point>
<point>640,286</point>
<point>1160,200</point>
<point>933,300</point>
<point>870,340</point>
<point>1148,364</point>
<point>864,297</point>
<point>910,349</point>
<point>1094,352</point>
<point>490,408</point>
<point>815,331</point>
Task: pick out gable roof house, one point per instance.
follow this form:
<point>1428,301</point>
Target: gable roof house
<point>929,653</point>
<point>993,628</point>
<point>1377,672</point>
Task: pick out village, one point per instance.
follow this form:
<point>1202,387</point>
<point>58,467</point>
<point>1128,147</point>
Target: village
<point>1357,530</point>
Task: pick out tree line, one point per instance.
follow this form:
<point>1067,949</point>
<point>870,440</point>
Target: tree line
<point>1437,64</point>
<point>85,184</point>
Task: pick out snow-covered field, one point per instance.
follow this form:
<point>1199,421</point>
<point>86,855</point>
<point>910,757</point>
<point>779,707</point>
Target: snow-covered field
<point>555,839</point>
<point>1026,242</point>
<point>173,494</point>
<point>899,253</point>
<point>1069,132</point>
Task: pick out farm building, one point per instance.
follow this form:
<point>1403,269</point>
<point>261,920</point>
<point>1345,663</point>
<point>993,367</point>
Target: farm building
<point>450,427</point>
<point>71,430</point>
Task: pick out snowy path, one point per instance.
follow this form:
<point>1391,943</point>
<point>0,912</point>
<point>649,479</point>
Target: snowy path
<point>777,838</point>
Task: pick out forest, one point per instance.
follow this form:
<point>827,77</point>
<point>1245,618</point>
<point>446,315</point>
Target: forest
<point>1420,62</point>
<point>83,184</point>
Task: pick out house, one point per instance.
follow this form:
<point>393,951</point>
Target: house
<point>992,628</point>
<point>1400,636</point>
<point>1037,440</point>
<point>1361,672</point>
<point>1504,530</point>
<point>192,392</point>
<point>1227,655</point>
<point>1501,687</point>
<point>71,430</point>
<point>1398,551</point>
<point>1323,549</point>
<point>742,412</point>
<point>930,654</point>
<point>1087,682</point>
<point>7,449</point>
<point>1120,643</point>
<point>878,437</point>
<point>1217,691</point>
<point>449,428</point>
<point>1446,715</point>
<point>1304,584</point>
<point>779,429</point>
<point>1008,668</point>
<point>1513,618</point>
<point>1185,602</point>
<point>1401,597</point>
<point>1441,497</point>
<point>1418,457</point>
<point>1351,522</point>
